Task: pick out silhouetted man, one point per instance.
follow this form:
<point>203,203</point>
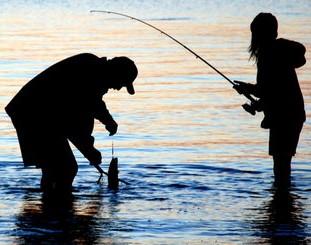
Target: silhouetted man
<point>278,89</point>
<point>60,104</point>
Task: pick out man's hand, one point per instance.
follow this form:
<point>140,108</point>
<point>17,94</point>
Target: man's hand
<point>112,127</point>
<point>95,158</point>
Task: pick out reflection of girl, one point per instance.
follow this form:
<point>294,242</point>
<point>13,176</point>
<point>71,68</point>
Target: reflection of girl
<point>278,89</point>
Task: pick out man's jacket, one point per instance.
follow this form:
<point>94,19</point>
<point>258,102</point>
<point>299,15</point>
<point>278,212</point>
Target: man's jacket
<point>61,101</point>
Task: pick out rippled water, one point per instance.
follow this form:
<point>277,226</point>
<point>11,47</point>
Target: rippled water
<point>197,163</point>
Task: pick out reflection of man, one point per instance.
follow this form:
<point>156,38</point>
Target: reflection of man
<point>60,221</point>
<point>60,104</point>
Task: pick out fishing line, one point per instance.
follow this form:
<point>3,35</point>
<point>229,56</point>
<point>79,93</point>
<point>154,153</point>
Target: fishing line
<point>248,96</point>
<point>112,150</point>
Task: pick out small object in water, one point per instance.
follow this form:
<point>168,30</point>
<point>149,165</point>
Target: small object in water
<point>114,178</point>
<point>113,174</point>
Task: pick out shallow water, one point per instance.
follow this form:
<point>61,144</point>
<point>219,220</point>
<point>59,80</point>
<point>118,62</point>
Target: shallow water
<point>197,164</point>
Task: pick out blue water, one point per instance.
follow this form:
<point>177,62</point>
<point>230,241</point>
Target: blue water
<point>197,164</point>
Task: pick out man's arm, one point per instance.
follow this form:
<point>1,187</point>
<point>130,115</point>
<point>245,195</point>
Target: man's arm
<point>85,144</point>
<point>102,114</point>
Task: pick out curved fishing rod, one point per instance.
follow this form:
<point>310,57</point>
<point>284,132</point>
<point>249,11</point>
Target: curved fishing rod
<point>248,96</point>
<point>166,34</point>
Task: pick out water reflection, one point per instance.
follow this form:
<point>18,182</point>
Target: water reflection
<point>282,219</point>
<point>70,220</point>
<point>176,146</point>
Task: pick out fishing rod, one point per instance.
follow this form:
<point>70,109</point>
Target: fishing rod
<point>247,107</point>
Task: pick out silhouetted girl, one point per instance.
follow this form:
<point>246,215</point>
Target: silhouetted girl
<point>278,89</point>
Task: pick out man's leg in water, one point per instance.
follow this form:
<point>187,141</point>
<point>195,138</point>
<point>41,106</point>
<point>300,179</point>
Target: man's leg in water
<point>59,166</point>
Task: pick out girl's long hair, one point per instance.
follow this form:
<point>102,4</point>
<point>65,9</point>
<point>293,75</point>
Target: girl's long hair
<point>264,29</point>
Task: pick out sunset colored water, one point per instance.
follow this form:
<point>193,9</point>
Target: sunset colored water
<point>197,163</point>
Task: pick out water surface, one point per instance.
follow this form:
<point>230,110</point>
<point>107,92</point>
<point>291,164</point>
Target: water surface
<point>197,163</point>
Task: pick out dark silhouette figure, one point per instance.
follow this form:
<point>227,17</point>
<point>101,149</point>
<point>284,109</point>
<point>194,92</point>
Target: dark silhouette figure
<point>278,89</point>
<point>60,104</point>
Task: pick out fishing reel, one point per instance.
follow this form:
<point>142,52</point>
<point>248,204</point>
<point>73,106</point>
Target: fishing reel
<point>245,89</point>
<point>248,107</point>
<point>252,107</point>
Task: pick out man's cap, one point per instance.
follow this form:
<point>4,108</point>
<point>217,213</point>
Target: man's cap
<point>127,71</point>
